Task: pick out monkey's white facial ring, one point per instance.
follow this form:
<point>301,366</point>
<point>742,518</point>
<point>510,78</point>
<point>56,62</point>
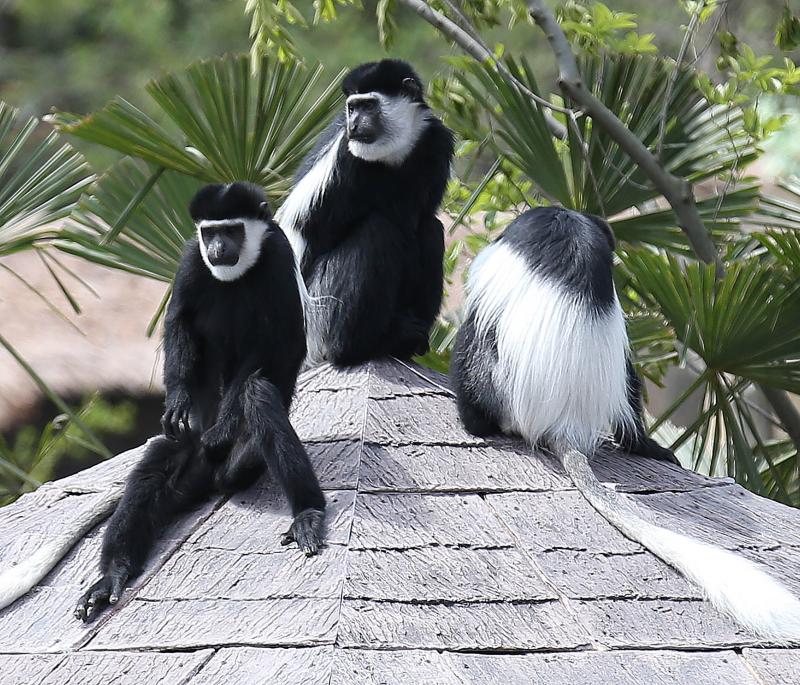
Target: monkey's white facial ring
<point>229,247</point>
<point>395,125</point>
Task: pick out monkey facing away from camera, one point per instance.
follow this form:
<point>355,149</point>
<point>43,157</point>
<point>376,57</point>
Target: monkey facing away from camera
<point>234,342</point>
<point>543,353</point>
<point>362,219</point>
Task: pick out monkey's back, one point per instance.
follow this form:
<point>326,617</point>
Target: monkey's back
<point>543,295</point>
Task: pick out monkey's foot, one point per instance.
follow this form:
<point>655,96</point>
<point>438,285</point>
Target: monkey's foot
<point>103,593</point>
<point>307,531</point>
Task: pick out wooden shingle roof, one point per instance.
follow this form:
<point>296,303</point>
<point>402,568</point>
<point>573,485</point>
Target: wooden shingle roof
<point>450,559</point>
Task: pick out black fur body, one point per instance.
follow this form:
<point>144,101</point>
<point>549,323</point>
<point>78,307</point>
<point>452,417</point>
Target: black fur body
<point>373,244</point>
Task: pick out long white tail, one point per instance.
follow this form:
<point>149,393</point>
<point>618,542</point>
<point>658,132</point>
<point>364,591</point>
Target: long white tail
<point>731,583</point>
<point>19,579</point>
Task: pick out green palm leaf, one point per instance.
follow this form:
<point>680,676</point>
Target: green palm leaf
<point>152,239</point>
<point>591,173</point>
<point>746,323</point>
<point>226,119</point>
<point>40,181</point>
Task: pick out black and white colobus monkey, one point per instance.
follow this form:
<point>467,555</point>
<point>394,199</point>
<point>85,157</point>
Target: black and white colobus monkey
<point>234,342</point>
<point>543,353</point>
<point>362,219</point>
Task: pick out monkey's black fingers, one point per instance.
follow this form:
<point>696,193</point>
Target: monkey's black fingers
<point>307,531</point>
<point>167,425</point>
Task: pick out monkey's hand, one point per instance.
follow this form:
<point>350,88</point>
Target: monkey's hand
<point>306,530</point>
<point>103,593</point>
<point>218,440</point>
<point>175,420</point>
<point>652,450</point>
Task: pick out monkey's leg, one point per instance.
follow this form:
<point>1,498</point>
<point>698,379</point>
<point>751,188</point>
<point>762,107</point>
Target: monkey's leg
<point>637,441</point>
<point>267,422</point>
<point>170,477</point>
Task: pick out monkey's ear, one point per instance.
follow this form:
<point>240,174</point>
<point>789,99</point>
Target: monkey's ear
<point>411,88</point>
<point>263,212</point>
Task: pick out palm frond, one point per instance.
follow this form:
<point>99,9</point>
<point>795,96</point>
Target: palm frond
<point>40,181</point>
<point>746,324</point>
<point>227,119</point>
<point>151,241</point>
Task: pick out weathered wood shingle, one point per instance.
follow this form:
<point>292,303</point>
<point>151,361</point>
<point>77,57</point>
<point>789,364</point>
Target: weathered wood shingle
<point>451,560</point>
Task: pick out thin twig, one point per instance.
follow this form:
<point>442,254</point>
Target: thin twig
<point>673,79</point>
<point>481,53</point>
<point>677,191</point>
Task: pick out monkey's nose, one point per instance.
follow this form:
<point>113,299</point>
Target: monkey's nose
<point>218,255</point>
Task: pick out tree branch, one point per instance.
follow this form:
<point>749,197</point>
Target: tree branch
<point>481,53</point>
<point>677,191</point>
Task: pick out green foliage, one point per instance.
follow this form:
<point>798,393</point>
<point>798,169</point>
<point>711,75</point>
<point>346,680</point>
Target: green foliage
<point>596,28</point>
<point>34,454</point>
<point>270,22</point>
<point>40,183</point>
<point>230,119</point>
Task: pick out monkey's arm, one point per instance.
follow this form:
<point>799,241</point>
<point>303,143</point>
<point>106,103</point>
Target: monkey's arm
<point>181,367</point>
<point>360,281</point>
<point>412,326</point>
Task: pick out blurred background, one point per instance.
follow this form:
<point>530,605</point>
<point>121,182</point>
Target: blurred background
<point>77,332</point>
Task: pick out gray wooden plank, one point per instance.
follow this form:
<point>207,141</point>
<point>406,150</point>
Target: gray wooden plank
<point>544,521</point>
<point>775,666</point>
<point>401,521</point>
<point>484,626</point>
<point>635,474</point>
<point>416,419</point>
<point>444,573</point>
<point>176,624</point>
<point>604,668</point>
<point>276,666</point>
<point>25,669</point>
<point>501,466</point>
<point>729,516</point>
<point>254,520</point>
<point>384,667</point>
<point>104,475</point>
<point>327,377</point>
<point>198,573</point>
<point>660,624</point>
<point>587,575</point>
<point>391,379</point>
<point>327,415</point>
<point>42,621</point>
<point>37,518</point>
<point>127,668</point>
<point>335,463</point>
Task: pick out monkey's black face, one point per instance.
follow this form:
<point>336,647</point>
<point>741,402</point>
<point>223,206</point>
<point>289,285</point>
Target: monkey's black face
<point>223,243</point>
<point>364,121</point>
